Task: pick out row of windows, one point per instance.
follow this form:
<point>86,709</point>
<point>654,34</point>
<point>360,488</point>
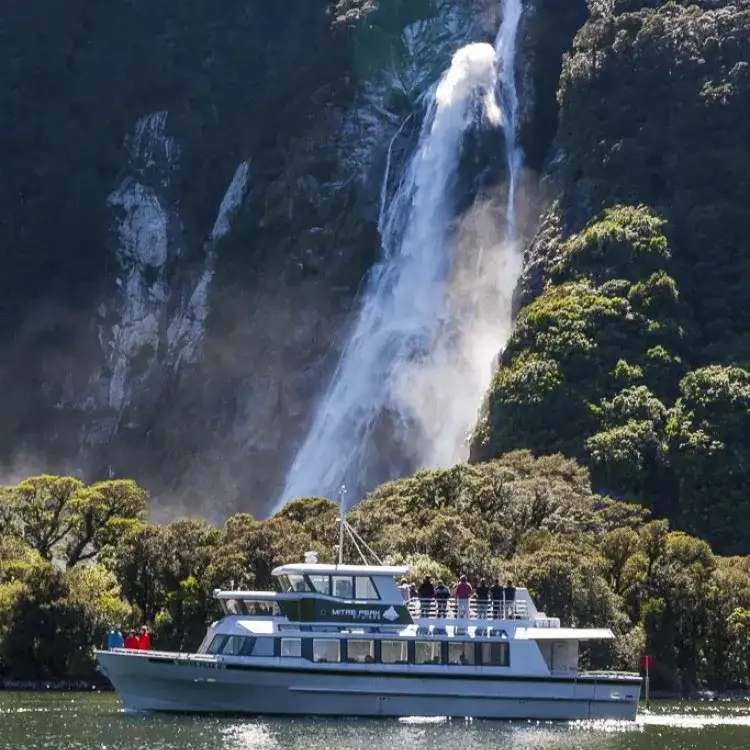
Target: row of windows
<point>253,608</point>
<point>343,587</point>
<point>365,651</point>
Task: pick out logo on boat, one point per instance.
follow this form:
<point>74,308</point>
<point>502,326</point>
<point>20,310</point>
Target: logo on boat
<point>390,614</point>
<point>368,615</point>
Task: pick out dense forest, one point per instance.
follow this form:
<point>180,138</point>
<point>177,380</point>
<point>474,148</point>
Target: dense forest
<point>630,349</point>
<point>76,560</point>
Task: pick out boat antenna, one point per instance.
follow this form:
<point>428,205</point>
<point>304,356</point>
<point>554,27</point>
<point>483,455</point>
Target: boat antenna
<point>341,523</point>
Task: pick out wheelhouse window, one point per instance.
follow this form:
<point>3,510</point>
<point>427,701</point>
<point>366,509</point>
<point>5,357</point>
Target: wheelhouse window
<point>298,582</point>
<point>326,650</point>
<point>291,648</point>
<point>361,651</point>
<point>343,587</point>
<point>237,645</point>
<point>284,583</point>
<point>461,653</point>
<point>235,606</point>
<point>427,652</point>
<point>496,654</point>
<point>240,645</point>
<point>364,588</point>
<point>216,644</point>
<point>394,652</point>
<point>321,584</point>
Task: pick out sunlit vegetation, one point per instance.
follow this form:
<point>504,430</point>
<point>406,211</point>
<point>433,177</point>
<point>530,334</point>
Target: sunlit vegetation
<point>631,348</point>
<point>588,559</point>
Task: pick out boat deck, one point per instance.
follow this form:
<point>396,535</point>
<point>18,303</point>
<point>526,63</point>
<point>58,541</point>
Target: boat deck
<point>449,609</point>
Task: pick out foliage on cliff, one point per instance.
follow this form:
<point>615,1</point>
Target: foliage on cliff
<point>590,560</point>
<point>630,351</point>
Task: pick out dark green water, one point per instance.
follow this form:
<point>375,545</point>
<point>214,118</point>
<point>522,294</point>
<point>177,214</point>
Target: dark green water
<point>95,721</point>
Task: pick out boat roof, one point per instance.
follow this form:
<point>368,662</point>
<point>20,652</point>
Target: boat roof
<point>258,595</point>
<point>332,570</point>
<point>563,634</point>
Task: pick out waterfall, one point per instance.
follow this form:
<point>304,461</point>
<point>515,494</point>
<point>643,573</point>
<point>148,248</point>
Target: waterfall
<point>505,49</point>
<point>419,359</point>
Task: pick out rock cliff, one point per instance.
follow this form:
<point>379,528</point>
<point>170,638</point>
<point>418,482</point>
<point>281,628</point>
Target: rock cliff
<point>189,205</point>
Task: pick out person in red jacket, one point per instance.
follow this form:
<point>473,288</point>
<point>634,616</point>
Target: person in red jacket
<point>132,640</point>
<point>463,593</point>
<point>144,642</point>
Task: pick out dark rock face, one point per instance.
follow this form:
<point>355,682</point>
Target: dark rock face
<point>260,83</point>
<point>138,339</point>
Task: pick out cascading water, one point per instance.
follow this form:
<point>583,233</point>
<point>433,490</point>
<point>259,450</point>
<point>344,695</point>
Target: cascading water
<point>436,310</point>
<point>505,49</point>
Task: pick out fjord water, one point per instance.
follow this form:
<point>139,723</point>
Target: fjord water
<point>95,721</point>
<point>436,310</point>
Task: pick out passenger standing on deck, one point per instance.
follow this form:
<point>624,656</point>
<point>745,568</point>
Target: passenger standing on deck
<point>115,639</point>
<point>510,599</point>
<point>483,595</point>
<point>405,589</point>
<point>144,642</point>
<point>463,594</point>
<point>132,640</point>
<point>442,594</point>
<point>426,595</point>
<point>497,594</point>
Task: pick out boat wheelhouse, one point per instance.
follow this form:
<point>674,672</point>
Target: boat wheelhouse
<point>342,640</point>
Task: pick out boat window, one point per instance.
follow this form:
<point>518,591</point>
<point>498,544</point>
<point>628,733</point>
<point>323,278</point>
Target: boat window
<point>261,608</point>
<point>326,649</point>
<point>291,647</point>
<point>394,652</point>
<point>427,652</point>
<point>262,647</point>
<point>238,645</point>
<point>298,583</point>
<point>322,584</point>
<point>216,644</point>
<point>284,583</point>
<point>461,653</point>
<point>361,651</point>
<point>495,654</point>
<point>343,587</point>
<point>236,607</point>
<point>364,588</point>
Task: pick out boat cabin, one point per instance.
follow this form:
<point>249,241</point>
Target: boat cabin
<point>339,614</point>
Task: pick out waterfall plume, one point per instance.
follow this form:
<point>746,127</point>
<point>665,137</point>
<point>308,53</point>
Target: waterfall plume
<point>436,309</point>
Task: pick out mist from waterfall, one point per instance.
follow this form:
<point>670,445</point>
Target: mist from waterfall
<point>437,307</point>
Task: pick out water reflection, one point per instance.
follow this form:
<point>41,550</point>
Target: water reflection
<point>32,721</point>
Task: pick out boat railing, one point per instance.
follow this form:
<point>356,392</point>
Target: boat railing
<point>165,654</point>
<point>451,609</point>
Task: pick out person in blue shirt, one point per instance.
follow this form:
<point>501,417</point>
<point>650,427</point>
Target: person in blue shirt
<point>115,639</point>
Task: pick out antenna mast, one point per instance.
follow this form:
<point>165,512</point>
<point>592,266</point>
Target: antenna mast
<point>341,524</point>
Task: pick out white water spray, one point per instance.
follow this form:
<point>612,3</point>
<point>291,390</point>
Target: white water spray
<point>433,317</point>
<point>505,49</point>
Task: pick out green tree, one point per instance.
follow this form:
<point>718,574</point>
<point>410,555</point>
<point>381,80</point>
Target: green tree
<point>708,430</point>
<point>66,521</point>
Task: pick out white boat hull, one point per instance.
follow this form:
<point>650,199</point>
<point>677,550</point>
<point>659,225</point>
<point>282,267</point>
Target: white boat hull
<point>200,686</point>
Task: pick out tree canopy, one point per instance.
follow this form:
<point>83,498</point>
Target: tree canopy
<point>589,559</point>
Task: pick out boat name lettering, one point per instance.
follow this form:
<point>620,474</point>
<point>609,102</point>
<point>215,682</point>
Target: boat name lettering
<point>357,614</point>
<point>206,664</point>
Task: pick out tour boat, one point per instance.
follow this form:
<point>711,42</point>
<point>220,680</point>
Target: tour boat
<point>343,640</point>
